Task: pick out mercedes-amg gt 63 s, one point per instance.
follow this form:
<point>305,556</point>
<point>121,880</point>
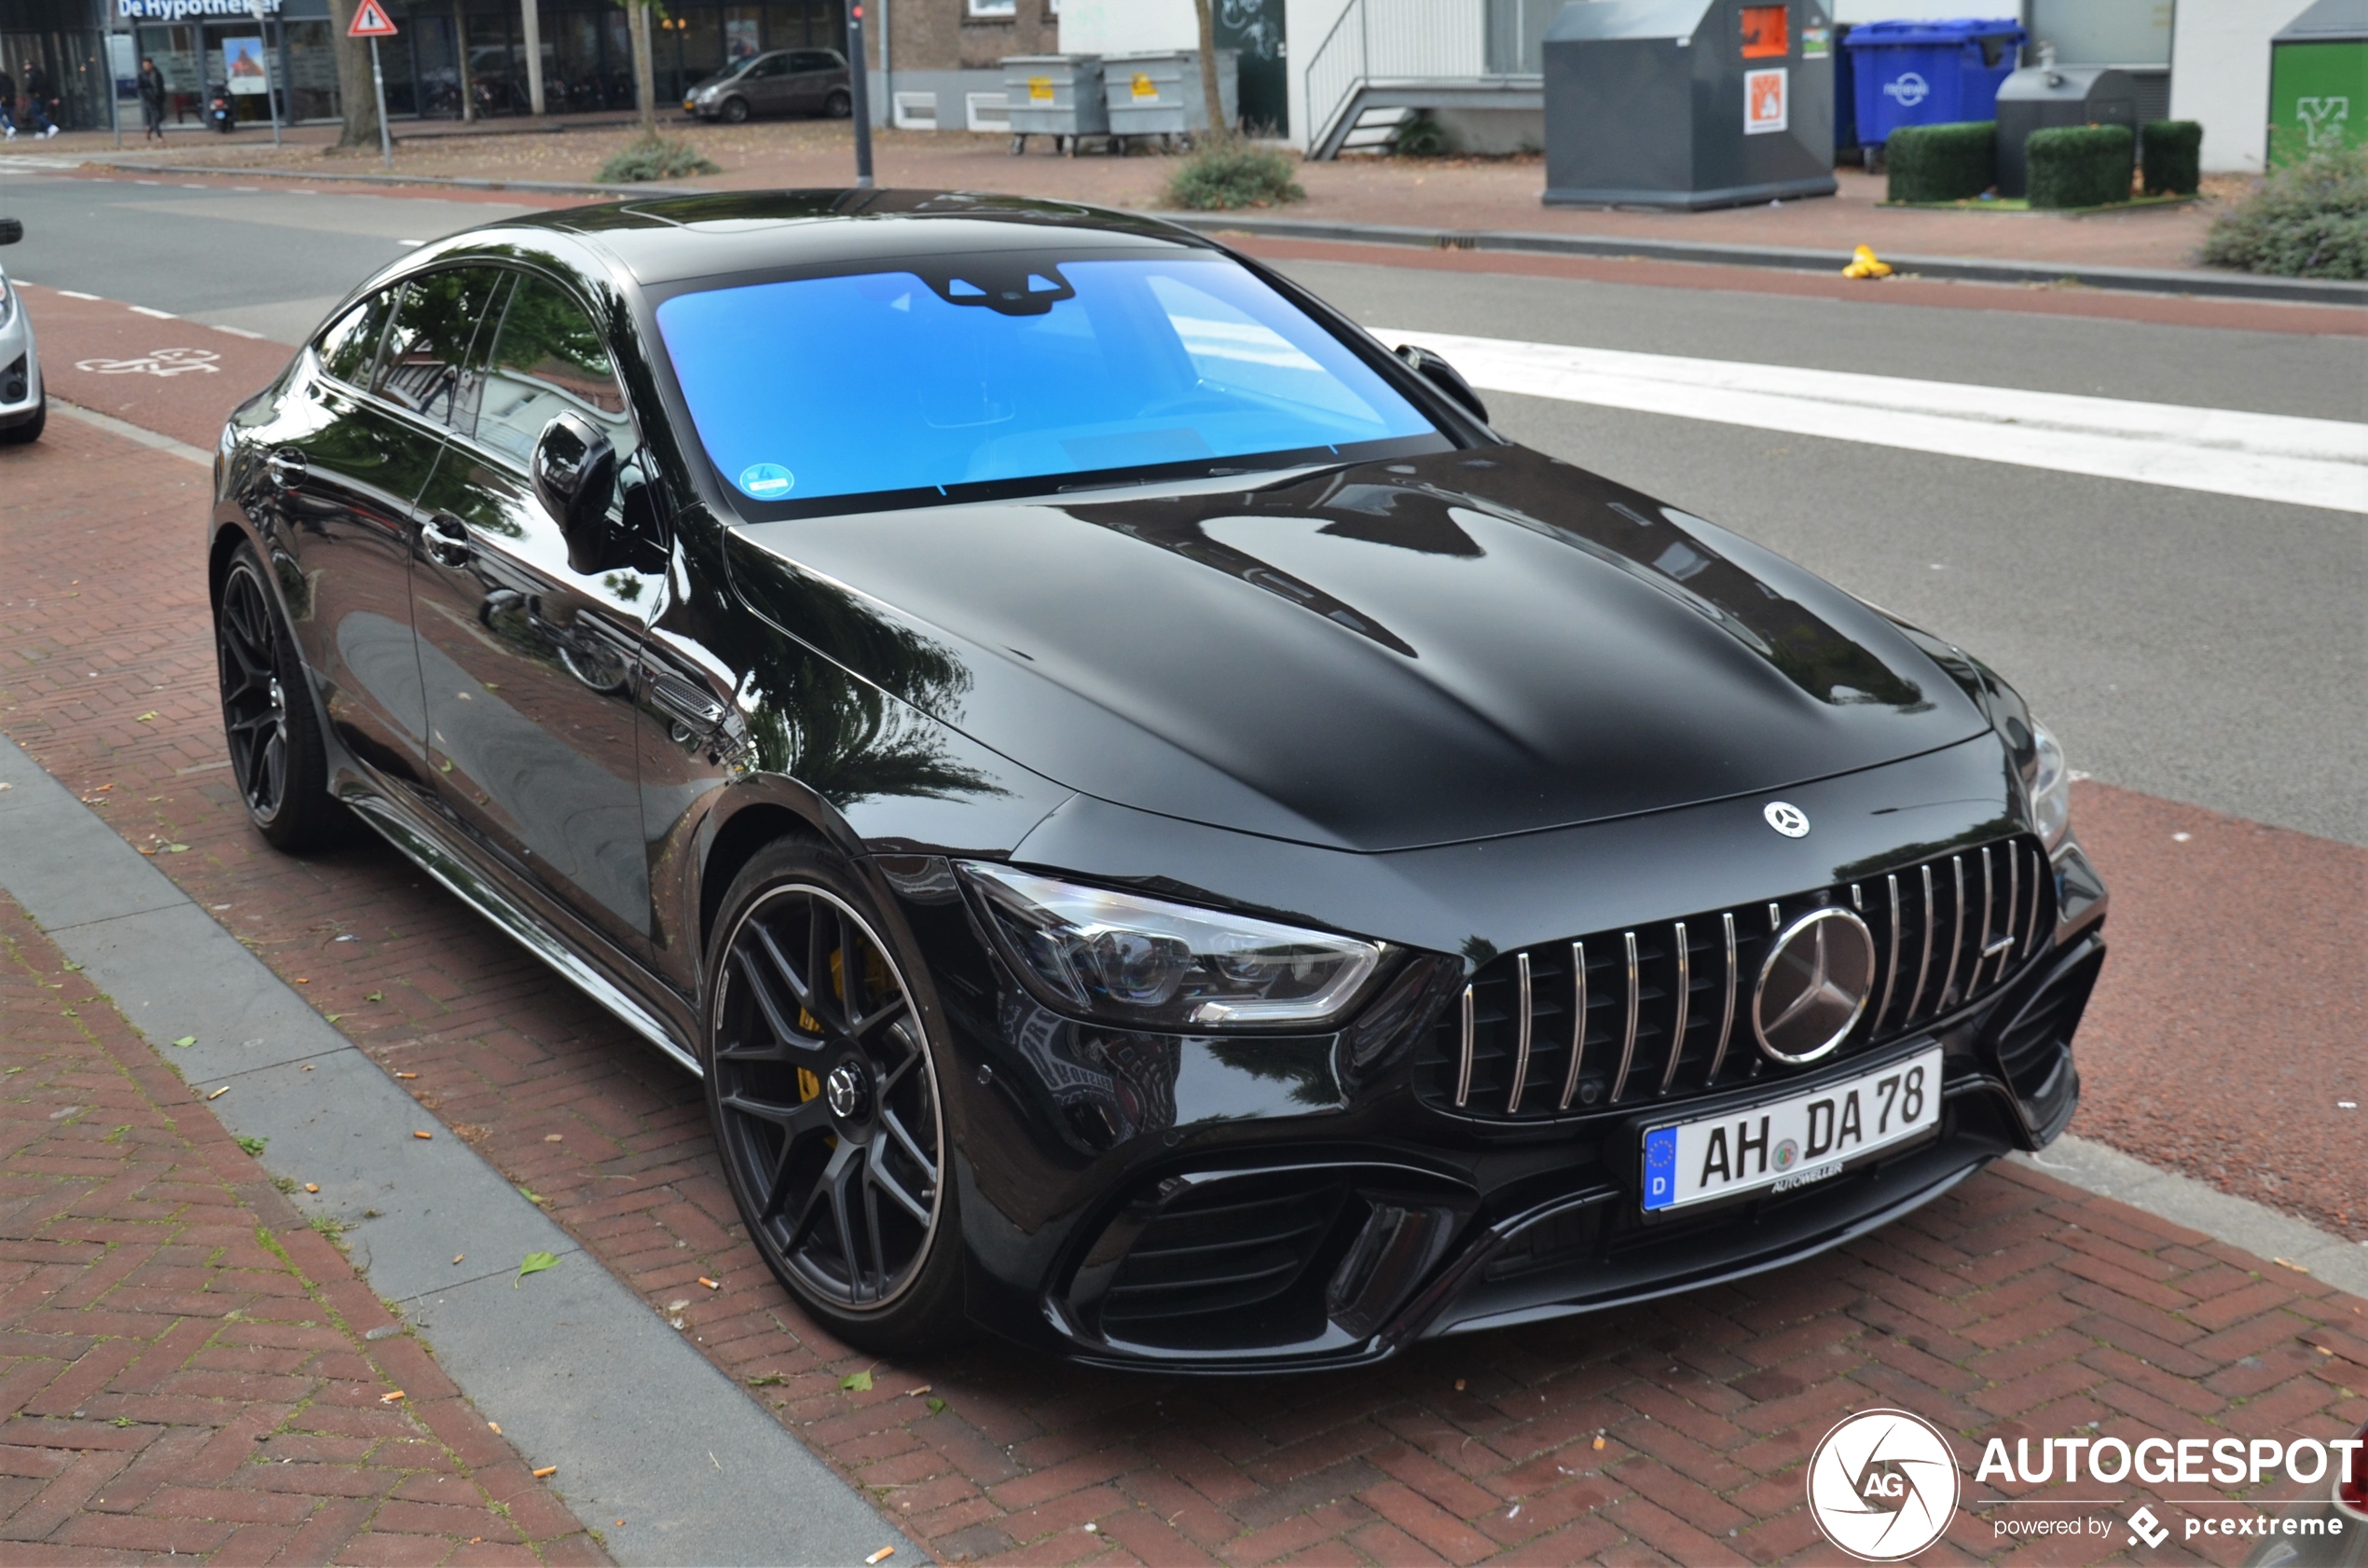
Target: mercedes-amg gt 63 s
<point>1166,837</point>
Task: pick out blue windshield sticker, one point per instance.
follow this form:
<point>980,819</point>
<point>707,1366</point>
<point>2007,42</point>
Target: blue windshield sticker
<point>768,481</point>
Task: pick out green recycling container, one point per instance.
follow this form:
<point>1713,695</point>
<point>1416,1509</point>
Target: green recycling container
<point>2318,81</point>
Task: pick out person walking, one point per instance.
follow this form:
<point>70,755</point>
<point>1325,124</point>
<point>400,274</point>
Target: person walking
<point>8,102</point>
<point>152,94</point>
<point>37,100</point>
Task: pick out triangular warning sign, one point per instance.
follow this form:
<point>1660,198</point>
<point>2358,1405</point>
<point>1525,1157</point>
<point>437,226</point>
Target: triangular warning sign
<point>370,20</point>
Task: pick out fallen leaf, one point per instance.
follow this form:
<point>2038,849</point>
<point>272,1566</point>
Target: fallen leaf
<point>710,1284</point>
<point>458,1256</point>
<point>494,1426</point>
<point>418,1135</point>
<point>1598,1442</point>
<point>765,1380</point>
<point>305,1068</point>
<point>937,1407</point>
<point>376,997</point>
<point>313,1187</point>
<point>857,1382</point>
<point>334,1016</point>
<point>551,1137</point>
<point>1459,1385</point>
<point>71,967</point>
<point>186,1041</point>
<point>219,1092</point>
<point>407,1075</point>
<point>2289,1263</point>
<point>530,1194</point>
<point>391,1397</point>
<point>916,1393</point>
<point>547,1472</point>
<point>620,1524</point>
<point>174,849</point>
<point>535,1263</point>
<point>304,979</point>
<point>141,718</point>
<point>881,1556</point>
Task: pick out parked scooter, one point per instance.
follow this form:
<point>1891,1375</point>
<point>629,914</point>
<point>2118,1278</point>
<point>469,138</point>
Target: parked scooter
<point>219,112</point>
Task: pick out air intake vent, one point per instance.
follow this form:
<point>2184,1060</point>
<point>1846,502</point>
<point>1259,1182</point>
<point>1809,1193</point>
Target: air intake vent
<point>1663,1012</point>
<point>1234,1263</point>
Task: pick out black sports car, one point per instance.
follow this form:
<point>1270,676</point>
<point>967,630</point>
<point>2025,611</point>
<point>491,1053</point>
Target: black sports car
<point>1167,836</point>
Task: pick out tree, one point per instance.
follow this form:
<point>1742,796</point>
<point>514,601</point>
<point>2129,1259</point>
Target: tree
<point>1205,10</point>
<point>645,86</point>
<point>355,91</point>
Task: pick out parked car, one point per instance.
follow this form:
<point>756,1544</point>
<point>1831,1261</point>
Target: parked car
<point>783,82</point>
<point>24,403</point>
<point>1166,835</point>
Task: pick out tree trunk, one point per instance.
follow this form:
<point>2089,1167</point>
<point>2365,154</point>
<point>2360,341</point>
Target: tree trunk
<point>645,81</point>
<point>461,53</point>
<point>358,102</point>
<point>1205,10</point>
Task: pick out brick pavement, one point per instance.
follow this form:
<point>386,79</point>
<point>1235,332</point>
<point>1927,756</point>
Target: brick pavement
<point>2013,1307</point>
<point>190,1368</point>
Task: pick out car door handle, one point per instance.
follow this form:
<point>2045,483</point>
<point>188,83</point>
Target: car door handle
<point>448,540</point>
<point>286,468</point>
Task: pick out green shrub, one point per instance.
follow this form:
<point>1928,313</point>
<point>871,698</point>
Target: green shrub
<point>2307,220</point>
<point>1953,162</point>
<point>2079,165</point>
<point>1233,173</point>
<point>2170,157</point>
<point>1421,137</point>
<point>653,157</point>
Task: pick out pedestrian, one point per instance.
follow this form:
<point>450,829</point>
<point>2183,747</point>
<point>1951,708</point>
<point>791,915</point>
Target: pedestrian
<point>152,99</point>
<point>8,102</point>
<point>37,100</point>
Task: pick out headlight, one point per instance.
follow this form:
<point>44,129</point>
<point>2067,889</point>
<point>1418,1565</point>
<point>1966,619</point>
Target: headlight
<point>1157,965</point>
<point>2050,787</point>
<point>7,303</point>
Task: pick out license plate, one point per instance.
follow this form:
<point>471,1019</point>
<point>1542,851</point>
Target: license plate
<point>1793,1142</point>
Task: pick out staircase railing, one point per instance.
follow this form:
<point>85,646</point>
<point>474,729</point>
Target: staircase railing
<point>1390,40</point>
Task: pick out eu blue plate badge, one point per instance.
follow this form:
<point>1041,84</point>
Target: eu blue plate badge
<point>768,481</point>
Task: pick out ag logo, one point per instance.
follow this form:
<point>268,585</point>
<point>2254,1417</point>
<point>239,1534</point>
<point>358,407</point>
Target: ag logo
<point>1883,1484</point>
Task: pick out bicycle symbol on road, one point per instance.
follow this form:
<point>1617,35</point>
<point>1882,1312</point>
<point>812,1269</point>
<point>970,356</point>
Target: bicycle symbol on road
<point>155,361</point>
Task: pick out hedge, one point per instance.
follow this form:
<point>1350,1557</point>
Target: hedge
<point>2171,153</point>
<point>1953,162</point>
<point>2079,165</point>
<point>2307,220</point>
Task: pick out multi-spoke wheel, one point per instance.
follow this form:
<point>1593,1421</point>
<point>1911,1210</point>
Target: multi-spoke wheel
<point>276,753</point>
<point>826,1103</point>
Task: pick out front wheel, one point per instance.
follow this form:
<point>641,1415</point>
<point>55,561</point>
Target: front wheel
<point>823,1088</point>
<point>838,105</point>
<point>29,431</point>
<point>735,111</point>
<point>277,753</point>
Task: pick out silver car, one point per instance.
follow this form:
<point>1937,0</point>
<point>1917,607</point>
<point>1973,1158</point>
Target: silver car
<point>25,405</point>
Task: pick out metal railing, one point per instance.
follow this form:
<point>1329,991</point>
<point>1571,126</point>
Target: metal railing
<point>1391,40</point>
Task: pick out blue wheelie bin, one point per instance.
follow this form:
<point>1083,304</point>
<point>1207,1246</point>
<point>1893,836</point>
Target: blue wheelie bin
<point>1929,72</point>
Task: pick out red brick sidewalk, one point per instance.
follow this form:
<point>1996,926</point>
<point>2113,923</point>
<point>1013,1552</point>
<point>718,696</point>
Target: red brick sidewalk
<point>2013,1308</point>
<point>192,1370</point>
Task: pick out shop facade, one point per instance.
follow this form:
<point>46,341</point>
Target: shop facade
<point>198,45</point>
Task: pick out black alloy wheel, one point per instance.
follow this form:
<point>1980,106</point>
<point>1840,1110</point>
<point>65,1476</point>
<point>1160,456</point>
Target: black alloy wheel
<point>276,751</point>
<point>735,111</point>
<point>825,1097</point>
<point>839,105</point>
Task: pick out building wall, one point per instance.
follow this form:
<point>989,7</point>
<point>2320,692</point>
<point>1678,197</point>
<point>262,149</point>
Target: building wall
<point>951,49</point>
<point>2220,76</point>
<point>1128,26</point>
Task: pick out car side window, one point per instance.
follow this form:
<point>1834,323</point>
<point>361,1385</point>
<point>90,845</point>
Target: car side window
<point>350,348</point>
<point>771,65</point>
<point>427,347</point>
<point>812,59</point>
<point>548,358</point>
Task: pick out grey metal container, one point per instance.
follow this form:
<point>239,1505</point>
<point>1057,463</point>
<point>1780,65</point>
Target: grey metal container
<point>1656,104</point>
<point>1055,95</point>
<point>1159,93</point>
<point>2039,97</point>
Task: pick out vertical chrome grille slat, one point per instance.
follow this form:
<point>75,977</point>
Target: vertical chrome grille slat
<point>1924,964</point>
<point>1579,1023</point>
<point>1628,1037</point>
<point>1956,932</point>
<point>2014,905</point>
<point>1521,1036</point>
<point>1727,1014</point>
<point>1463,1059</point>
<point>1684,1001</point>
<point>2038,896</point>
<point>1891,955</point>
<point>1981,934</point>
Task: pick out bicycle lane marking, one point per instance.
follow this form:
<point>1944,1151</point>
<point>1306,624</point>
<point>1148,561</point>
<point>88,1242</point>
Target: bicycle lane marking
<point>175,376</point>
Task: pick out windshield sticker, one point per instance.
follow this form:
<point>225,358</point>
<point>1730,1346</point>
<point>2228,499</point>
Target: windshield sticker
<point>768,481</point>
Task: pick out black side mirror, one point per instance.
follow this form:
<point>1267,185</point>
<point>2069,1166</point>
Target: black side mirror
<point>574,472</point>
<point>11,231</point>
<point>1443,375</point>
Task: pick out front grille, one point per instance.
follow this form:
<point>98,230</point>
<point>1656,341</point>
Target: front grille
<point>1662,1012</point>
<point>1224,1260</point>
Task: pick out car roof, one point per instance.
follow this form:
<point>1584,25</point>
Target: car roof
<point>664,239</point>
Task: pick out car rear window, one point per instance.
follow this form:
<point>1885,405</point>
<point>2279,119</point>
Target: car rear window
<point>1019,366</point>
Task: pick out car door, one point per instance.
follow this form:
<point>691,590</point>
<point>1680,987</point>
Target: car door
<point>769,86</point>
<point>529,664</point>
<point>344,469</point>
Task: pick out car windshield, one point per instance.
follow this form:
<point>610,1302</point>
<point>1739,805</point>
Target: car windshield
<point>1018,367</point>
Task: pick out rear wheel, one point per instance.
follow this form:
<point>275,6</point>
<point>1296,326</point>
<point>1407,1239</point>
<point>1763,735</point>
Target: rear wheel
<point>838,105</point>
<point>277,755</point>
<point>735,111</point>
<point>823,1088</point>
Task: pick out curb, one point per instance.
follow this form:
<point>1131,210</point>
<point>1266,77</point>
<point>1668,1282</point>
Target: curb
<point>458,181</point>
<point>1976,270</point>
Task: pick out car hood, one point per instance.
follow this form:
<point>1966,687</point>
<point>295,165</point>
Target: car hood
<point>1368,657</point>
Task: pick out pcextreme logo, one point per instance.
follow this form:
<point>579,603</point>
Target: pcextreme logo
<point>1884,1485</point>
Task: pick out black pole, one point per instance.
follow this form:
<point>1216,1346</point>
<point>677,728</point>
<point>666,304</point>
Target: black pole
<point>860,87</point>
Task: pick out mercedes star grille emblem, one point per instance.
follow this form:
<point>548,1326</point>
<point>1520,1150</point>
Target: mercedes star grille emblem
<point>1786,818</point>
<point>1813,986</point>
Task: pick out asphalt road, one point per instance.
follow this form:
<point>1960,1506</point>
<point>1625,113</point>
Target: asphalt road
<point>2201,647</point>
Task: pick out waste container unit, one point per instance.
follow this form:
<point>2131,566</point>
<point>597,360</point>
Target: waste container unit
<point>2318,81</point>
<point>1055,95</point>
<point>1929,72</point>
<point>1159,93</point>
<point>1689,104</point>
<point>2040,96</point>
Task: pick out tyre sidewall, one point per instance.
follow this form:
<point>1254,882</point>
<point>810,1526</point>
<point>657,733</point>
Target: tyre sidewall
<point>306,816</point>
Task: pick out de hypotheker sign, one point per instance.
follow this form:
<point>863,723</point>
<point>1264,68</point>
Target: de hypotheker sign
<point>183,10</point>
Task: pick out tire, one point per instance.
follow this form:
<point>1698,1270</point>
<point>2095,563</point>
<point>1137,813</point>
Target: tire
<point>735,111</point>
<point>827,1105</point>
<point>28,432</point>
<point>274,728</point>
<point>839,105</point>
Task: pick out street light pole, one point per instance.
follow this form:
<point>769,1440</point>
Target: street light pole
<point>378,86</point>
<point>270,96</point>
<point>859,90</point>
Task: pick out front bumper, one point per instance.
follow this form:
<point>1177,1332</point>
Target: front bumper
<point>20,370</point>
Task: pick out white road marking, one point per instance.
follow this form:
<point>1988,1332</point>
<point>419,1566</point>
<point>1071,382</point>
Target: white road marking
<point>70,294</point>
<point>239,332</point>
<point>160,315</point>
<point>2266,457</point>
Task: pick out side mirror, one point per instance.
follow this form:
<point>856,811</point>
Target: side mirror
<point>574,473</point>
<point>11,231</point>
<point>1443,375</point>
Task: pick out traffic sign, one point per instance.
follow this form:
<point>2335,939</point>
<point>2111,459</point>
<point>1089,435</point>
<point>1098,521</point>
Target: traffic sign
<point>370,20</point>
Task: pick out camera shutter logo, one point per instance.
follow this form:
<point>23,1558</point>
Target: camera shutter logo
<point>1884,1485</point>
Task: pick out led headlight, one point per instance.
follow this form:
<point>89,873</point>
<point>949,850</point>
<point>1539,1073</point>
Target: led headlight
<point>7,303</point>
<point>2050,782</point>
<point>1156,965</point>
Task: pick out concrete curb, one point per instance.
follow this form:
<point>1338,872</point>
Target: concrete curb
<point>457,182</point>
<point>579,1371</point>
<point>2141,280</point>
<point>2262,1231</point>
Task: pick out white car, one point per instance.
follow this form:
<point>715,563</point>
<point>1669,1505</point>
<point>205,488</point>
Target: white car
<point>25,405</point>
